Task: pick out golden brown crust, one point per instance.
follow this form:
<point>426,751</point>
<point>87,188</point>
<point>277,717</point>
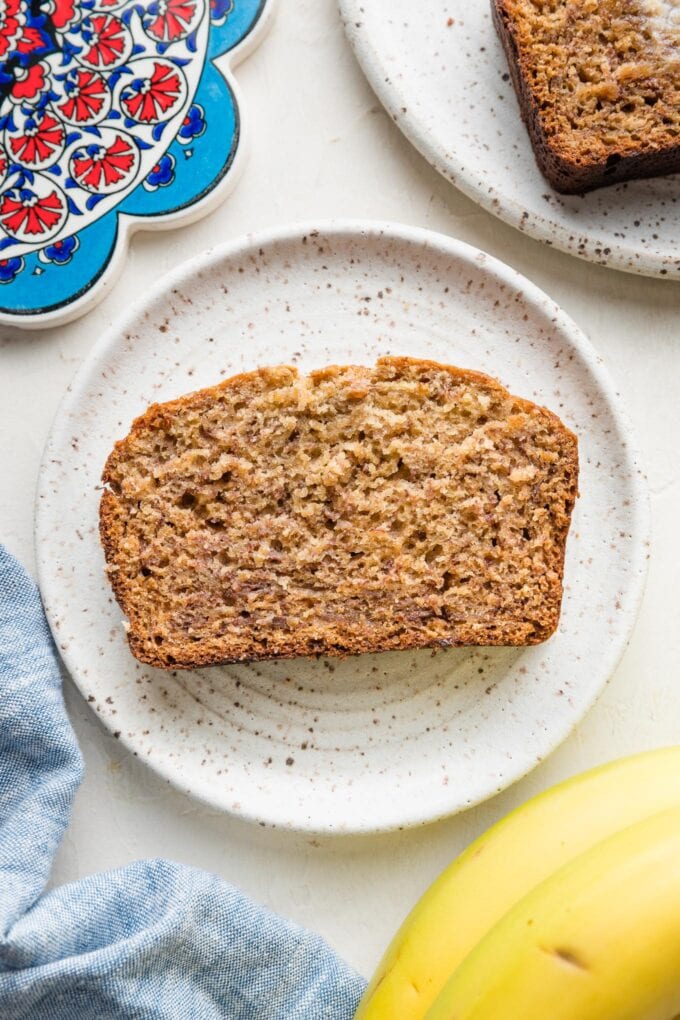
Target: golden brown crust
<point>171,630</point>
<point>156,415</point>
<point>599,89</point>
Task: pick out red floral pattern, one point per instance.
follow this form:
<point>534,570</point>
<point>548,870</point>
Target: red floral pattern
<point>107,41</point>
<point>22,32</point>
<point>38,142</point>
<point>30,83</point>
<point>29,40</point>
<point>87,98</point>
<point>63,13</point>
<point>70,66</point>
<point>167,20</point>
<point>156,96</point>
<point>28,216</point>
<point>106,168</point>
<point>11,25</point>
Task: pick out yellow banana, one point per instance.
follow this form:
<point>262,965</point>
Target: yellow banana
<point>499,868</point>
<point>598,940</point>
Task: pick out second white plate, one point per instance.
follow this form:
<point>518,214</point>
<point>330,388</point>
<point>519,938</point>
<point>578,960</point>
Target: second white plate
<point>370,742</point>
<point>440,71</point>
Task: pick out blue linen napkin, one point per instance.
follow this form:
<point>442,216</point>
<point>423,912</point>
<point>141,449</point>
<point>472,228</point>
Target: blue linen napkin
<point>154,940</point>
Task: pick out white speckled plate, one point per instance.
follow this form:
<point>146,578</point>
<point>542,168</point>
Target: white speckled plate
<point>440,72</point>
<point>376,741</point>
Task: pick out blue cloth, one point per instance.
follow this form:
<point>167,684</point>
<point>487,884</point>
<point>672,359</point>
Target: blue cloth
<point>151,941</point>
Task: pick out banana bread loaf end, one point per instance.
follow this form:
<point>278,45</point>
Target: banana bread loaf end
<point>598,82</point>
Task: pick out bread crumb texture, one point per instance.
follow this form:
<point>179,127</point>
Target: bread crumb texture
<point>351,510</point>
<point>599,85</point>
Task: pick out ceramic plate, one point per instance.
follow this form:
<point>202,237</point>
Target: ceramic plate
<point>441,73</point>
<point>115,115</point>
<point>376,741</point>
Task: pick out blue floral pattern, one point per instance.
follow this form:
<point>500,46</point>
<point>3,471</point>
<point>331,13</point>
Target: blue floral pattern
<point>193,125</point>
<point>61,252</point>
<point>220,10</point>
<point>10,268</point>
<point>103,103</point>
<point>162,174</point>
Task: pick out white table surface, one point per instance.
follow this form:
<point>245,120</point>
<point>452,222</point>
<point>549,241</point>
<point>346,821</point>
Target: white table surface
<point>321,146</point>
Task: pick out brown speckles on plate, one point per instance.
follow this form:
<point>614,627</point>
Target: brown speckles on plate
<point>448,88</point>
<point>368,739</point>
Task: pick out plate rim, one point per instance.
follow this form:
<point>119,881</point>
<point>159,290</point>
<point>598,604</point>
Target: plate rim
<point>443,245</point>
<point>622,257</point>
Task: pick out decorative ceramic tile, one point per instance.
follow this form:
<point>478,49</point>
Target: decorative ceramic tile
<point>440,72</point>
<point>113,115</point>
<point>372,741</point>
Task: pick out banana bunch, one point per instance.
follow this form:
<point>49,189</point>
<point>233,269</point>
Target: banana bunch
<point>567,909</point>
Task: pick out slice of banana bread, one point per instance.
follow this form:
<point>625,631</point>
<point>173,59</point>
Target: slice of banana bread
<point>598,83</point>
<point>351,510</point>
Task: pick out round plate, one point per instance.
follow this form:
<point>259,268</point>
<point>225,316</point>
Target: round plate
<point>375,741</point>
<point>440,71</point>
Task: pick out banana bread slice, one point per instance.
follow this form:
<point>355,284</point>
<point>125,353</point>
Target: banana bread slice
<point>351,510</point>
<point>598,82</point>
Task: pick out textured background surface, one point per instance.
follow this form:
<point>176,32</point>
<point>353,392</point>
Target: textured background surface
<point>321,146</point>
